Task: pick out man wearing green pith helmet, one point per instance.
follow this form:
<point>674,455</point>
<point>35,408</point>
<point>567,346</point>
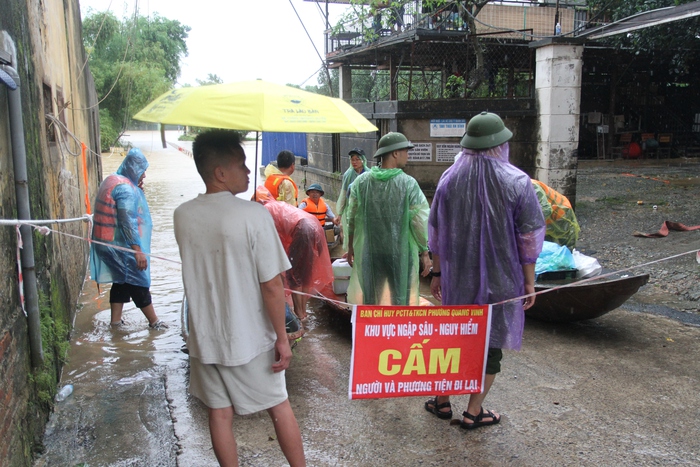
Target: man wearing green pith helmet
<point>387,218</point>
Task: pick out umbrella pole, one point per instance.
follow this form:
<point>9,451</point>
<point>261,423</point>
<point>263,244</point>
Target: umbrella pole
<point>255,167</point>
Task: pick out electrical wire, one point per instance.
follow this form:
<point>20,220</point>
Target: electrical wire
<point>328,75</point>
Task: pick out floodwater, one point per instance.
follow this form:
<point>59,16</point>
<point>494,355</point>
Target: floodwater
<point>618,390</point>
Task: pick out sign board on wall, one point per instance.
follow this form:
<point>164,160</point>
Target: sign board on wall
<point>421,152</point>
<point>447,127</point>
<point>446,152</point>
<point>418,351</point>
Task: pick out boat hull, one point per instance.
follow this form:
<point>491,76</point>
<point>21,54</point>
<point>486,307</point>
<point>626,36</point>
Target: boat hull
<point>587,300</point>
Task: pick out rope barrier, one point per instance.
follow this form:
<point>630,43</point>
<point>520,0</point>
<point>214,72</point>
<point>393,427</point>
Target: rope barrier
<point>39,225</point>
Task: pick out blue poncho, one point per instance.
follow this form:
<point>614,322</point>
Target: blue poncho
<point>121,218</point>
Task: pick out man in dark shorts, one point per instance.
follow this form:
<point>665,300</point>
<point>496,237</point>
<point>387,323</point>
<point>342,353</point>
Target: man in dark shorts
<point>122,226</point>
<point>485,232</point>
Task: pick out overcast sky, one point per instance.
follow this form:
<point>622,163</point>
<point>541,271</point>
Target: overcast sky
<point>240,39</point>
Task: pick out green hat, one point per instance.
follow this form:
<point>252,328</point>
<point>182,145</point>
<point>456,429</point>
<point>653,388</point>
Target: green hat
<point>392,142</point>
<point>315,186</point>
<point>484,131</point>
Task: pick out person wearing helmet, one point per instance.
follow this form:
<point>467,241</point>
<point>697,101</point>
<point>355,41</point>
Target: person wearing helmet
<point>485,232</point>
<point>316,205</point>
<point>387,230</point>
<point>358,166</point>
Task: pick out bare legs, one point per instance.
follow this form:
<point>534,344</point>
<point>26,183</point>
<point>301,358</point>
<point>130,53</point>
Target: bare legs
<point>148,311</point>
<point>286,428</point>
<point>300,302</point>
<point>288,434</point>
<point>222,439</point>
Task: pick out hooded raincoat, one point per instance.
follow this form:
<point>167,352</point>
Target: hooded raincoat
<point>348,177</point>
<point>387,217</point>
<point>485,223</point>
<point>122,218</point>
<point>303,240</point>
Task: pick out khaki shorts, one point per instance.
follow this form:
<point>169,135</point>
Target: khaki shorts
<point>248,388</point>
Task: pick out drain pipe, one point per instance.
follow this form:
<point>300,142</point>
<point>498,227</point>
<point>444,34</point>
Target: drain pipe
<point>10,78</point>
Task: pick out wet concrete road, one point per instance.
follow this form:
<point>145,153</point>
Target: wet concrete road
<point>618,390</point>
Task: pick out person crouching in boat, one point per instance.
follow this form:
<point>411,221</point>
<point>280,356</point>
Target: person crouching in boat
<point>562,225</point>
<point>317,206</point>
<point>305,243</point>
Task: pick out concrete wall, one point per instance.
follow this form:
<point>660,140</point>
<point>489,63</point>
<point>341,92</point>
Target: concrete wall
<point>43,39</point>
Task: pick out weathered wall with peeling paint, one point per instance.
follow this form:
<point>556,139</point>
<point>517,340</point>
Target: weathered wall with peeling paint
<point>43,37</point>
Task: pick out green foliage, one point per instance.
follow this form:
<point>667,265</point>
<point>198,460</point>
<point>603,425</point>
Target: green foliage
<point>210,79</point>
<point>55,342</point>
<point>133,61</point>
<point>675,44</point>
<point>454,86</point>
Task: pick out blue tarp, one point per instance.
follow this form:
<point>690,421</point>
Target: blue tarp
<point>273,143</point>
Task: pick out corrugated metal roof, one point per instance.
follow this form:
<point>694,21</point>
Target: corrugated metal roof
<point>644,20</point>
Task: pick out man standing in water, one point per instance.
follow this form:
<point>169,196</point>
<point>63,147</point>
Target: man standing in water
<point>232,261</point>
<point>122,219</point>
<point>486,231</point>
<point>387,230</point>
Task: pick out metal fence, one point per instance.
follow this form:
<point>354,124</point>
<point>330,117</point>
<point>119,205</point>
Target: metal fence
<point>448,70</point>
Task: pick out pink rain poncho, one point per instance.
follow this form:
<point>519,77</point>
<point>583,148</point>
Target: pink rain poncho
<point>122,218</point>
<point>387,217</point>
<point>303,240</point>
<point>485,223</point>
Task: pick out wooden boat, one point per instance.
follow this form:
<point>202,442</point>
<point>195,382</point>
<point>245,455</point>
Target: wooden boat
<point>584,300</point>
<point>580,300</point>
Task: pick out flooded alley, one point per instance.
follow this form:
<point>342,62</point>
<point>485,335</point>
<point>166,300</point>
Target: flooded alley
<point>618,390</point>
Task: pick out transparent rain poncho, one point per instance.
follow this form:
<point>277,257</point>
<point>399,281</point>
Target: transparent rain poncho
<point>348,177</point>
<point>387,216</point>
<point>485,223</point>
<point>122,218</point>
<point>303,240</point>
<point>562,225</point>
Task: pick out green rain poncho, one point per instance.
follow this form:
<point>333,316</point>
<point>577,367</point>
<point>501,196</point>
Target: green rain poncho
<point>348,177</point>
<point>387,216</point>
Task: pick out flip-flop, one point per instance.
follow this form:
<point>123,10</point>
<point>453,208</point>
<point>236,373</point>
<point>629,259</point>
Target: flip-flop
<point>478,420</point>
<point>433,407</point>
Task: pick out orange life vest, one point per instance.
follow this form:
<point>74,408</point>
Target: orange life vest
<point>318,210</point>
<point>105,217</point>
<point>558,201</point>
<point>272,183</point>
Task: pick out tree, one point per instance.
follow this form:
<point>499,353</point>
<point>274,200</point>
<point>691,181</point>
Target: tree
<point>210,79</point>
<point>133,61</point>
<point>676,44</point>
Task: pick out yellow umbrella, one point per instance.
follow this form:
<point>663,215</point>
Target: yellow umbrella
<point>255,106</point>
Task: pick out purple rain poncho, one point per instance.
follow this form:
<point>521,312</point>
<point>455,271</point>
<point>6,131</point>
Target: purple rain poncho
<point>485,222</point>
<point>387,216</point>
<point>122,218</point>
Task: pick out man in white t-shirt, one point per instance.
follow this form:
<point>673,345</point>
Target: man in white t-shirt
<point>232,262</point>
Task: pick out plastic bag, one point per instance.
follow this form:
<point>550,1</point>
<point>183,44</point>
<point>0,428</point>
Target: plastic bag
<point>587,266</point>
<point>554,258</point>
